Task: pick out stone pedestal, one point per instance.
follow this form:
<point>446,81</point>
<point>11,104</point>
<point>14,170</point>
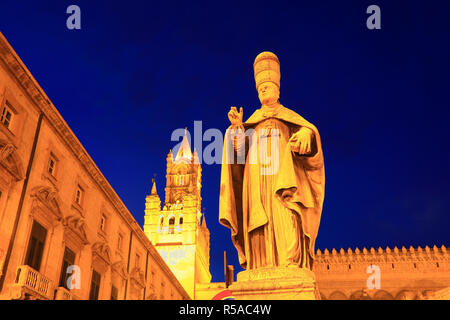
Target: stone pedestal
<point>275,283</point>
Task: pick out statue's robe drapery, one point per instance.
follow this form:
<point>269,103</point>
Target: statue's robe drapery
<point>267,228</point>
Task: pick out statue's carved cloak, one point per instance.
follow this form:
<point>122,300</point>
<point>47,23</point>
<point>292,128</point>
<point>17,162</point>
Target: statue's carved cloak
<point>307,184</point>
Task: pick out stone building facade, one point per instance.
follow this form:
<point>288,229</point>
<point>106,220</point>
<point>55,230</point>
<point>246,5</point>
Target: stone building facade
<point>58,210</point>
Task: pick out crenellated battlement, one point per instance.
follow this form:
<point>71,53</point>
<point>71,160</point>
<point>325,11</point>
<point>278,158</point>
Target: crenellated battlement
<point>384,255</point>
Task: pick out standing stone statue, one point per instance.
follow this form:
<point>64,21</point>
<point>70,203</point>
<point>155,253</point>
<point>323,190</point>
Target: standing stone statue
<point>272,199</point>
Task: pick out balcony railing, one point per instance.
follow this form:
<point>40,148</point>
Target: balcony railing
<point>34,283</point>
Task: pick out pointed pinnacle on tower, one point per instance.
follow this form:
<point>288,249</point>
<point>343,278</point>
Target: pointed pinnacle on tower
<point>203,222</point>
<point>184,151</point>
<point>154,192</point>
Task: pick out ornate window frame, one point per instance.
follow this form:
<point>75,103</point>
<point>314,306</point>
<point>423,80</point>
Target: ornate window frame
<point>11,171</point>
<point>101,256</point>
<point>75,232</point>
<point>46,205</point>
<point>119,276</point>
<point>45,210</point>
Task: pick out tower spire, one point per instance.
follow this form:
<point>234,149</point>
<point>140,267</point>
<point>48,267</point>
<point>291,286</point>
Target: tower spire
<point>184,152</point>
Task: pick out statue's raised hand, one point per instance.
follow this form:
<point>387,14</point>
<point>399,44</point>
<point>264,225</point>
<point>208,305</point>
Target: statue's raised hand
<point>236,117</point>
<point>301,141</point>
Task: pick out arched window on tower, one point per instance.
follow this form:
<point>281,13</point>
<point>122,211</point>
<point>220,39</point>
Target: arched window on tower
<point>171,225</point>
<point>161,224</point>
<point>180,223</point>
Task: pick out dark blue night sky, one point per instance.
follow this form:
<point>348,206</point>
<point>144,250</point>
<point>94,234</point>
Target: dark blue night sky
<point>137,70</point>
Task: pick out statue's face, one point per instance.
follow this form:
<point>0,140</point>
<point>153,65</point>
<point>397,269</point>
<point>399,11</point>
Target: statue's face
<point>268,93</point>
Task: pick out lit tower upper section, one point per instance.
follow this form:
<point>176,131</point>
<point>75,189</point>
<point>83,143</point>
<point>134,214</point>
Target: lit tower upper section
<point>178,230</point>
<point>184,175</point>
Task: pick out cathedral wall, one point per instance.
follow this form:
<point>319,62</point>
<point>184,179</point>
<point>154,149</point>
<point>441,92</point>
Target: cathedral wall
<point>413,273</point>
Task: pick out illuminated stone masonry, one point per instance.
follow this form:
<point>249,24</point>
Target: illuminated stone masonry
<point>64,202</point>
<point>405,274</point>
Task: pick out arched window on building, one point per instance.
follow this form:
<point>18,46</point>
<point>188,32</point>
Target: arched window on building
<point>171,225</point>
<point>180,223</point>
<point>161,224</point>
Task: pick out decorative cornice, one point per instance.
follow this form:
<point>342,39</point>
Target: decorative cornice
<point>10,160</point>
<point>120,269</point>
<point>76,225</point>
<point>138,277</point>
<point>101,255</point>
<point>48,200</point>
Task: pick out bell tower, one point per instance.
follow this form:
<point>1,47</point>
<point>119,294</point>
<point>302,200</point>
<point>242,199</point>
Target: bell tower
<point>178,230</point>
